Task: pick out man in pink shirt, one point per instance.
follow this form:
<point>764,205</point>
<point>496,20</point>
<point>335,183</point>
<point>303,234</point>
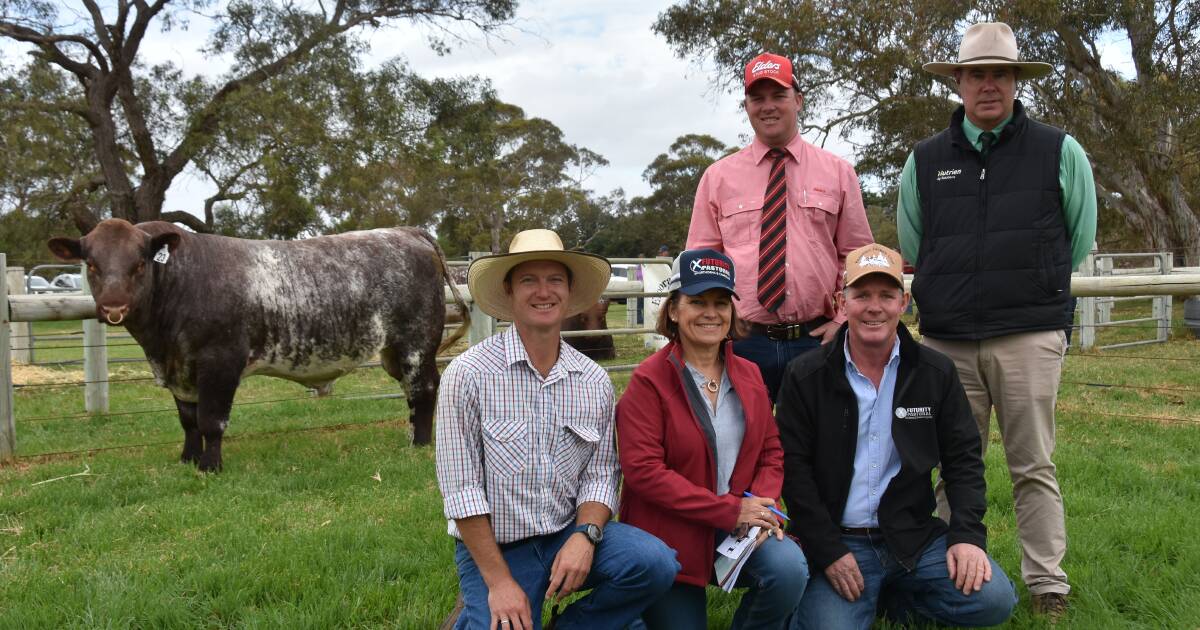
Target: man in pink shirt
<point>787,213</point>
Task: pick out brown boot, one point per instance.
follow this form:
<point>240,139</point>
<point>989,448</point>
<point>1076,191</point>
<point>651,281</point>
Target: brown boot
<point>1052,605</point>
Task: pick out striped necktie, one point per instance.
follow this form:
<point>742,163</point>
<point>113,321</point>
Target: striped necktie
<point>772,240</point>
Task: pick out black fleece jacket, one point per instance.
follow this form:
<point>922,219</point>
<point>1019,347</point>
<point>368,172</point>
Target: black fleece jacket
<point>932,425</point>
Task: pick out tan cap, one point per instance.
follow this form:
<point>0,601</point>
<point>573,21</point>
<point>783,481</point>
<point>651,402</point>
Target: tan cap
<point>873,258</point>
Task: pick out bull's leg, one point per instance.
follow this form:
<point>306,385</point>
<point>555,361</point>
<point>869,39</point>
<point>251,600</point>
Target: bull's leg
<point>420,383</point>
<point>217,385</point>
<point>422,400</point>
<point>192,443</point>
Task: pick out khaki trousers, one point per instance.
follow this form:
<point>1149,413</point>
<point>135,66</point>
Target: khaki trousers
<point>1018,375</point>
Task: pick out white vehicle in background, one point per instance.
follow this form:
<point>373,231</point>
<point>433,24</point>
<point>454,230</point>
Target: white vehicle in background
<point>66,282</point>
<point>37,284</point>
<point>620,273</point>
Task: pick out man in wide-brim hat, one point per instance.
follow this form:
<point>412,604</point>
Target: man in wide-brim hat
<point>995,212</point>
<point>526,458</point>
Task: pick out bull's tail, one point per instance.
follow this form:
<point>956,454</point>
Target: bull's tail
<point>458,298</point>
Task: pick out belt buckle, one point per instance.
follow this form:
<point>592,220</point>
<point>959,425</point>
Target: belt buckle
<point>784,332</point>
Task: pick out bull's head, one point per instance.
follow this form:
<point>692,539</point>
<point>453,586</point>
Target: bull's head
<point>596,317</point>
<point>117,255</point>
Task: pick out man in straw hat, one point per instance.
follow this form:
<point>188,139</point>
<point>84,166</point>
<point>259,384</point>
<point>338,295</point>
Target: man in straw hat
<point>526,457</point>
<point>787,213</point>
<point>995,212</point>
<point>863,422</point>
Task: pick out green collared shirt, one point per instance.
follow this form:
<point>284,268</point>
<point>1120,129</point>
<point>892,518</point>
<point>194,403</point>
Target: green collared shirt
<point>1074,179</point>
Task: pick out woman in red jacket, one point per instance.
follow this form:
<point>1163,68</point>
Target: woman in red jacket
<point>695,435</point>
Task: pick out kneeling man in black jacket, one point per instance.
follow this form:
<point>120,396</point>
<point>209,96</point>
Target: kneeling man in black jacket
<point>864,421</point>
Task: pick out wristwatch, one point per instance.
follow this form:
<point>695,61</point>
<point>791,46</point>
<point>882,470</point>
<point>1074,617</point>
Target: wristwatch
<point>592,531</point>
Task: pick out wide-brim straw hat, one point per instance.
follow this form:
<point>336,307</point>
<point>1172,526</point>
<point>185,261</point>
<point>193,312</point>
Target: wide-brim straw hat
<point>485,279</point>
<point>989,44</point>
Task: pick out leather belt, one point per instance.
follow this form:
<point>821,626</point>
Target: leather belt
<point>862,531</point>
<point>788,332</point>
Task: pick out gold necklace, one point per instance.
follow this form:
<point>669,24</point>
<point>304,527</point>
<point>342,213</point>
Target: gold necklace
<point>711,385</point>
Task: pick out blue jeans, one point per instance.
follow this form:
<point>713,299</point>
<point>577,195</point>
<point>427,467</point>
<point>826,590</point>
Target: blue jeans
<point>775,575</point>
<point>629,571</point>
<point>772,357</point>
<point>924,595</point>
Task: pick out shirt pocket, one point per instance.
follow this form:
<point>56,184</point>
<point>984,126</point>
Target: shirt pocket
<point>505,446</point>
<point>740,219</point>
<point>577,442</point>
<point>820,211</point>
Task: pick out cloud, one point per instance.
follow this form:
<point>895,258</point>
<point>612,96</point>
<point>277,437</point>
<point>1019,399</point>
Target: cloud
<point>598,72</point>
<point>594,69</point>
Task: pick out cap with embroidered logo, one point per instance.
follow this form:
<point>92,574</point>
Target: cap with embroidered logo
<point>695,271</point>
<point>768,66</point>
<point>874,258</point>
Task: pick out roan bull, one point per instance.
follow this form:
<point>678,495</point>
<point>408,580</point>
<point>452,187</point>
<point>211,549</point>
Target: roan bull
<point>210,310</point>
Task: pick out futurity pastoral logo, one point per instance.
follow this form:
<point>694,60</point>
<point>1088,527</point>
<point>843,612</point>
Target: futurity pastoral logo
<point>914,413</point>
<point>711,265</point>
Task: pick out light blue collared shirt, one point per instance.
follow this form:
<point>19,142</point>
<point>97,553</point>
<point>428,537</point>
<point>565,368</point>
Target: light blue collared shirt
<point>875,458</point>
<point>729,426</point>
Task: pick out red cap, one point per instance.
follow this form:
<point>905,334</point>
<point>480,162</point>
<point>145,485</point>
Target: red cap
<point>768,66</point>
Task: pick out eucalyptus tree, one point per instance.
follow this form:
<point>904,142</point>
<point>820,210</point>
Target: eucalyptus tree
<point>40,154</point>
<point>673,177</point>
<point>859,69</point>
<point>147,123</point>
<point>497,171</point>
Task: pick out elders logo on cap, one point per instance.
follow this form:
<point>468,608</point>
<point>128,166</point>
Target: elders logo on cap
<point>765,65</point>
<point>768,66</point>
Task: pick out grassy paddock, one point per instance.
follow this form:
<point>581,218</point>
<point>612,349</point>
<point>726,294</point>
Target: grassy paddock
<point>325,515</point>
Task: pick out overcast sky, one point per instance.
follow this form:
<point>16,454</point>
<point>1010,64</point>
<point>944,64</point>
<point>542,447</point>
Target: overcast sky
<point>592,68</point>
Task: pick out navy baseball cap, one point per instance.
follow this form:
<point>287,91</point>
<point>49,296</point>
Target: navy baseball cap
<point>698,270</point>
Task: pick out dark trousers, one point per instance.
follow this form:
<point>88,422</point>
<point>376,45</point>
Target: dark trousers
<point>772,356</point>
<point>921,596</point>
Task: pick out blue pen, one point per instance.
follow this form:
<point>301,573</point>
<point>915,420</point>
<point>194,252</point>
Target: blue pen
<point>769,507</point>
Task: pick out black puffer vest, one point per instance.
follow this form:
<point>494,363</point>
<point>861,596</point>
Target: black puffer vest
<point>995,257</point>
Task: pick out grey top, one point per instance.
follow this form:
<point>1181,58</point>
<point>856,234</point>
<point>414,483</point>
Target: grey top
<point>729,425</point>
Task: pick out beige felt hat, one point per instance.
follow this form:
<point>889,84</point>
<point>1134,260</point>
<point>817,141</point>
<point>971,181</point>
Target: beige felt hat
<point>989,44</point>
<point>873,258</point>
<point>485,278</point>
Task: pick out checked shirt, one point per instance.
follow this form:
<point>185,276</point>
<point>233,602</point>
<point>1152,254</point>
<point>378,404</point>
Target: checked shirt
<point>525,449</point>
<point>825,221</point>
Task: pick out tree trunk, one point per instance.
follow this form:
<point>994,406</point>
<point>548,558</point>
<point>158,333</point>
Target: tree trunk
<point>1156,208</point>
<point>1184,226</point>
<point>497,228</point>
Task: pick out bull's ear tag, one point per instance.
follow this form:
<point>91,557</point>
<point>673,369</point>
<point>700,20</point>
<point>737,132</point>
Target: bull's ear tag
<point>163,255</point>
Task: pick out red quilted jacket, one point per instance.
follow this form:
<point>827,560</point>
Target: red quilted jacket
<point>670,468</point>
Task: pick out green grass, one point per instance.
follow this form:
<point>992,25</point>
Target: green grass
<point>325,516</point>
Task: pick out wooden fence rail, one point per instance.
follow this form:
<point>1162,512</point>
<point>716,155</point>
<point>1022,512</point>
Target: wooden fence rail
<point>8,432</point>
<point>61,307</point>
